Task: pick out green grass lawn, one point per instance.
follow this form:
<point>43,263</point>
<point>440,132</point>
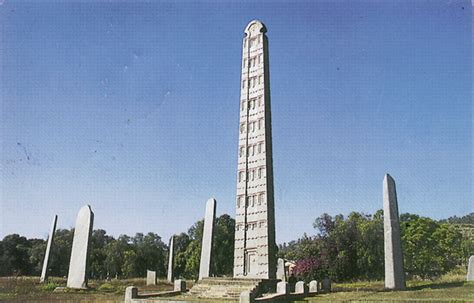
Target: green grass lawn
<point>20,289</point>
<point>452,288</point>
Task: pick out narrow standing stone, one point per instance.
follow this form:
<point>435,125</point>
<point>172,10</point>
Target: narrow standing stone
<point>150,277</point>
<point>77,276</point>
<point>171,260</point>
<point>207,236</point>
<point>180,285</point>
<point>470,269</point>
<point>44,272</point>
<point>280,272</point>
<point>394,273</point>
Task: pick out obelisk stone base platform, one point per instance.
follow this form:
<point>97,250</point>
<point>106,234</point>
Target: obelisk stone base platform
<point>231,288</point>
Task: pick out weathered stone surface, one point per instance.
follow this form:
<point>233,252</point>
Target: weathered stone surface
<point>131,293</point>
<point>171,260</point>
<point>301,288</point>
<point>470,269</point>
<point>283,288</point>
<point>44,272</point>
<point>313,286</point>
<point>207,239</point>
<point>231,288</point>
<point>180,285</point>
<point>77,276</point>
<point>150,277</point>
<point>326,285</point>
<point>281,273</point>
<point>254,246</point>
<point>247,297</point>
<point>394,272</point>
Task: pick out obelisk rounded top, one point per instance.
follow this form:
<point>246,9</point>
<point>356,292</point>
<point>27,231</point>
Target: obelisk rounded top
<point>255,27</point>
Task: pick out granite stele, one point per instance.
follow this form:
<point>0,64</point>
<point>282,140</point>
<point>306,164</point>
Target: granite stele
<point>77,276</point>
<point>255,248</point>
<point>44,272</point>
<point>394,273</point>
<point>150,277</point>
<point>207,236</point>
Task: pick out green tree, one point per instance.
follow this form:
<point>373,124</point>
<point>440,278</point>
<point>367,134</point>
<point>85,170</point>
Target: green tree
<point>61,252</point>
<point>114,252</point>
<point>14,256</point>
<point>36,251</point>
<point>223,248</point>
<point>430,249</point>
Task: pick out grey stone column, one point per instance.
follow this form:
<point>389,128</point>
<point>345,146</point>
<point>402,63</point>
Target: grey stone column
<point>207,239</point>
<point>44,272</point>
<point>171,260</point>
<point>394,272</point>
<point>77,276</point>
<point>281,272</point>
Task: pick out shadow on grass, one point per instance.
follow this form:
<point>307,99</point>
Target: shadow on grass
<point>437,285</point>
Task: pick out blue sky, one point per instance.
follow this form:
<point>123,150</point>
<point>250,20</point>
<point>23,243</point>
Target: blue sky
<point>134,107</point>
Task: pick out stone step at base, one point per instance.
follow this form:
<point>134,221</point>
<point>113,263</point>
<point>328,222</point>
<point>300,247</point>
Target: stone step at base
<point>223,287</point>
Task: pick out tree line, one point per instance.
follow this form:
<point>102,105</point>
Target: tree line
<point>352,248</point>
<point>342,248</point>
<point>122,257</point>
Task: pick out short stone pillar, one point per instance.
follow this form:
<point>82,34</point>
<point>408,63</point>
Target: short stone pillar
<point>313,286</point>
<point>326,285</point>
<point>246,297</point>
<point>131,292</point>
<point>281,273</point>
<point>470,269</point>
<point>180,285</point>
<point>283,288</point>
<point>301,288</point>
<point>150,277</point>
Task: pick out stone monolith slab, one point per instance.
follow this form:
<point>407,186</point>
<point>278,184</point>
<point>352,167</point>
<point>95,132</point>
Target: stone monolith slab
<point>171,260</point>
<point>394,273</point>
<point>313,286</point>
<point>470,269</point>
<point>150,277</point>
<point>301,288</point>
<point>207,236</point>
<point>131,293</point>
<point>44,272</point>
<point>77,276</point>
<point>283,288</point>
<point>280,272</point>
<point>246,297</point>
<point>180,285</point>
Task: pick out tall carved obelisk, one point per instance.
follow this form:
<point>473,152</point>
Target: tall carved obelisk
<point>255,248</point>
